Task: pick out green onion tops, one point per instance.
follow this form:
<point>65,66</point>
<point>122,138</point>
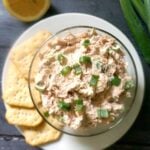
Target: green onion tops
<point>66,70</point>
<point>64,106</point>
<point>115,81</point>
<point>62,59</point>
<point>77,69</point>
<point>102,113</point>
<point>86,43</point>
<point>40,86</point>
<point>94,80</point>
<point>129,84</point>
<point>85,60</point>
<point>79,105</point>
<point>46,114</point>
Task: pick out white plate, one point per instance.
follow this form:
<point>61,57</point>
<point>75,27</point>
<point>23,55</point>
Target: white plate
<point>67,142</point>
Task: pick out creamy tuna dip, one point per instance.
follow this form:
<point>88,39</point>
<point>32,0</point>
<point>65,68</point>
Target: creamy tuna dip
<point>82,78</point>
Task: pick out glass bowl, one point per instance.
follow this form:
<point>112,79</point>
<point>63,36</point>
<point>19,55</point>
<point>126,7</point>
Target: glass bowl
<point>90,131</point>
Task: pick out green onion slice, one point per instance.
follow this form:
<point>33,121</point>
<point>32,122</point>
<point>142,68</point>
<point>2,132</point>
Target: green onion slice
<point>79,105</point>
<point>94,80</point>
<point>115,47</point>
<point>64,106</point>
<point>85,60</point>
<point>98,65</point>
<point>77,69</point>
<point>66,70</point>
<point>102,113</point>
<point>46,114</point>
<point>115,81</point>
<point>40,87</point>
<point>86,43</point>
<point>62,59</point>
<point>129,84</point>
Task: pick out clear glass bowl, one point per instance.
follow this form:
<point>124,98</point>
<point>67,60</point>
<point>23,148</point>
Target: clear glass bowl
<point>84,132</point>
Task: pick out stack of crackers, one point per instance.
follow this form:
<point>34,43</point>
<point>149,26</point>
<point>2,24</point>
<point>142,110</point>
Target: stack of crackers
<point>20,110</point>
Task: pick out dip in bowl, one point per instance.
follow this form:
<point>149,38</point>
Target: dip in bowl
<point>86,81</point>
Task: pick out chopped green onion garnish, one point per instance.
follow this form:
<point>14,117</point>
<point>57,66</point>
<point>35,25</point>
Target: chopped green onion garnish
<point>79,101</point>
<point>115,47</point>
<point>94,80</point>
<point>46,114</point>
<point>85,60</point>
<point>77,69</point>
<point>98,65</point>
<point>62,59</point>
<point>102,113</point>
<point>40,87</point>
<point>66,70</point>
<point>86,43</point>
<point>64,106</point>
<point>129,84</point>
<point>79,105</point>
<point>116,81</point>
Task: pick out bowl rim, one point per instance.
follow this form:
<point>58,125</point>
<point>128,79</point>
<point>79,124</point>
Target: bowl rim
<point>136,80</point>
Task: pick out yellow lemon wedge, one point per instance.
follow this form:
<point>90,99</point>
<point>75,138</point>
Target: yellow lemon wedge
<point>27,10</point>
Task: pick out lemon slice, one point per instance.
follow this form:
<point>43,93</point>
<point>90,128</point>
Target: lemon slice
<point>27,10</point>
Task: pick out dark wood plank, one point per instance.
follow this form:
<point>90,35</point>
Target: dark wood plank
<point>10,28</point>
<point>15,143</point>
<point>129,147</point>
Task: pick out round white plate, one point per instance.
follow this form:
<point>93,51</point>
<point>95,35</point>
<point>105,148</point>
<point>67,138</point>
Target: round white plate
<point>67,142</point>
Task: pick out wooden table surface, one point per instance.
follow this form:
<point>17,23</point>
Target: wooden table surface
<point>138,137</point>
